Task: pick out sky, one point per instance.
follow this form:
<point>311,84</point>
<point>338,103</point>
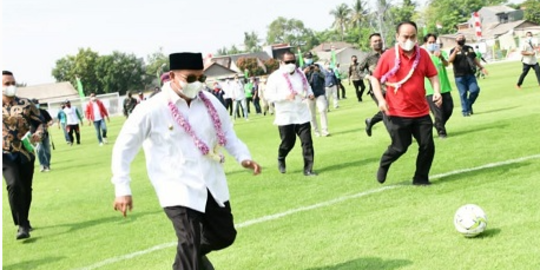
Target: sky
<point>36,33</point>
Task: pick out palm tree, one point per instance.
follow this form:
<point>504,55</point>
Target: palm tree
<point>251,42</point>
<point>358,13</point>
<point>341,18</point>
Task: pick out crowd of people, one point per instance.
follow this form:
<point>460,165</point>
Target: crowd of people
<point>184,160</point>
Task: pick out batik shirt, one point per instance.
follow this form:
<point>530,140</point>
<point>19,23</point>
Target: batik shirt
<point>18,117</point>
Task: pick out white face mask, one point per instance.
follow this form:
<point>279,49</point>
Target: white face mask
<point>191,90</point>
<point>289,68</point>
<point>407,45</point>
<point>10,91</point>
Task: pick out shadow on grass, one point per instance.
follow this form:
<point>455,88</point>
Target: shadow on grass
<point>470,175</point>
<point>476,129</point>
<point>497,110</point>
<point>489,233</point>
<point>33,264</point>
<point>367,263</point>
<point>353,163</point>
<point>131,217</point>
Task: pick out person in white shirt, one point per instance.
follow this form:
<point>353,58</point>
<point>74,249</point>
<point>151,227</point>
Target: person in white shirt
<point>227,96</point>
<point>181,131</point>
<point>289,89</point>
<point>238,97</point>
<point>529,60</point>
<point>73,118</point>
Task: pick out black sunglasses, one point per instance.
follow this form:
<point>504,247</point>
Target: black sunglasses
<point>290,62</point>
<point>191,78</point>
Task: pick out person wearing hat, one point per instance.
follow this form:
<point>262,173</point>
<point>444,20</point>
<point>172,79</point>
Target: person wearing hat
<point>43,148</point>
<point>182,130</point>
<point>73,117</point>
<point>19,118</point>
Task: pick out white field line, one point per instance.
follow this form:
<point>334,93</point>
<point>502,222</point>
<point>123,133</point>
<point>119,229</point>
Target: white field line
<point>307,208</point>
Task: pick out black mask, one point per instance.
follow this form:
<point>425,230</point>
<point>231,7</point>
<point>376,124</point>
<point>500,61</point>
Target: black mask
<point>461,42</point>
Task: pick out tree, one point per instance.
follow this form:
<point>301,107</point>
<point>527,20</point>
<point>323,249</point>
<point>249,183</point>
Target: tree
<point>341,18</point>
<point>291,31</point>
<point>449,13</point>
<point>251,42</point>
<point>359,14</point>
<point>120,72</point>
<point>405,12</point>
<point>532,10</point>
<point>82,66</point>
<point>158,63</point>
<point>271,65</point>
<point>250,64</point>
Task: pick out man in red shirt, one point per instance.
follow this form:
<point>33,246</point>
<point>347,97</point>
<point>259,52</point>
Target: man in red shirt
<point>96,113</point>
<point>406,111</point>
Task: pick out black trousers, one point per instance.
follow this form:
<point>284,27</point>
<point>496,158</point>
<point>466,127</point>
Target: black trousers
<point>401,131</point>
<point>340,86</point>
<point>248,101</point>
<point>288,135</point>
<point>443,113</point>
<point>526,69</point>
<point>200,233</point>
<point>378,117</point>
<point>359,87</point>
<point>228,105</point>
<point>18,177</point>
<point>70,129</point>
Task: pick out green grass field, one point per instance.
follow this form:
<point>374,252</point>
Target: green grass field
<point>342,219</point>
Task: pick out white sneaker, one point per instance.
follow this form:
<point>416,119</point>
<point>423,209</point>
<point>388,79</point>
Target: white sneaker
<point>105,141</point>
<point>100,144</point>
<point>317,134</point>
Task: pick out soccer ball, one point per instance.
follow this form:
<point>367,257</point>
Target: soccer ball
<point>470,220</point>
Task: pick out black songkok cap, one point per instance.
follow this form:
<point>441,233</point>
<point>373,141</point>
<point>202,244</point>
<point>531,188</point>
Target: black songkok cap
<point>186,60</point>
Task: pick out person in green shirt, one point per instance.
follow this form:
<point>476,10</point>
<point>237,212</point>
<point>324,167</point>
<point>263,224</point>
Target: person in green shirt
<point>479,56</point>
<point>248,90</point>
<point>440,60</point>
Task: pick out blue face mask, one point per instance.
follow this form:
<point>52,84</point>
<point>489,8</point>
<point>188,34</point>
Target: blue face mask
<point>309,61</point>
<point>433,47</point>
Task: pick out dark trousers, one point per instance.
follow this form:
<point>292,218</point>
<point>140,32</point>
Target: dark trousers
<point>526,69</point>
<point>18,177</point>
<point>443,113</point>
<point>359,87</point>
<point>70,130</point>
<point>378,117</point>
<point>248,101</point>
<point>288,135</point>
<point>257,104</point>
<point>340,86</point>
<point>228,105</point>
<point>200,233</point>
<point>401,131</point>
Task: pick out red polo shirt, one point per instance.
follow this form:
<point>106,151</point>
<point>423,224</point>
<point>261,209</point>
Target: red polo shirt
<point>410,98</point>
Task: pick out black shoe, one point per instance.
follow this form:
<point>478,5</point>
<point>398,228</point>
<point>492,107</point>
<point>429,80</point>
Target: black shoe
<point>23,233</point>
<point>310,173</point>
<point>281,166</point>
<point>206,264</point>
<point>381,174</point>
<point>424,184</point>
<point>368,126</point>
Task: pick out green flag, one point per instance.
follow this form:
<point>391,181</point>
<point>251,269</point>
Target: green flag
<point>300,59</point>
<point>425,32</point>
<point>246,73</point>
<point>80,87</point>
<point>158,78</point>
<point>333,61</point>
